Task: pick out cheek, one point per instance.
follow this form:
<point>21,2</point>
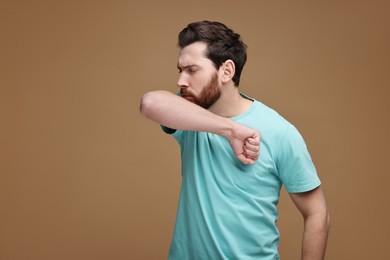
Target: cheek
<point>197,85</point>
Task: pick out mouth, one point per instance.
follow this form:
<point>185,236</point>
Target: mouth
<point>188,97</point>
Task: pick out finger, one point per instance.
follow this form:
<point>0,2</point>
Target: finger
<point>256,135</point>
<point>251,147</point>
<point>252,153</point>
<point>244,159</point>
<point>254,140</point>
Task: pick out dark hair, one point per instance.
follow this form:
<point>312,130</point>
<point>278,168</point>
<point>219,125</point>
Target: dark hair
<point>222,44</point>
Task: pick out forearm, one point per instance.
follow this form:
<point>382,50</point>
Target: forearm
<point>315,237</point>
<point>175,112</point>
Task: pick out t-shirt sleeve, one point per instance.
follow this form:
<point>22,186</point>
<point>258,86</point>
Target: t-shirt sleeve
<point>295,166</point>
<point>175,133</point>
<point>168,130</point>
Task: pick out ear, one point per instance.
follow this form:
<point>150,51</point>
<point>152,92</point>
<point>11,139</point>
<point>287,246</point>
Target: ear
<point>228,69</point>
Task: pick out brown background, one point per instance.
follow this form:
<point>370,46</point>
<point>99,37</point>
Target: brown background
<point>83,176</point>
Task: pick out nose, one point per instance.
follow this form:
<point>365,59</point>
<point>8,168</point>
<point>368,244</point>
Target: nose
<point>182,82</point>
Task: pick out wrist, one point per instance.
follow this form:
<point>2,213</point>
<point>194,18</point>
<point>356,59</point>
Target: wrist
<point>228,128</point>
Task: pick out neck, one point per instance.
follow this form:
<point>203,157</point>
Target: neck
<point>231,103</point>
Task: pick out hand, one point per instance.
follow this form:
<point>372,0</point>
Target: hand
<point>245,143</point>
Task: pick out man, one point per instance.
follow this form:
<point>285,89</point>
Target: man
<point>230,180</point>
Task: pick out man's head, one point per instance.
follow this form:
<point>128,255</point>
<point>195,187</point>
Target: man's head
<point>222,44</point>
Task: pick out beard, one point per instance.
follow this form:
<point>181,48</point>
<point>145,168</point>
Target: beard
<point>207,97</point>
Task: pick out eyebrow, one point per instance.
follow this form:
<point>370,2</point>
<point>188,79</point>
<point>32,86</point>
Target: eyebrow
<point>186,66</point>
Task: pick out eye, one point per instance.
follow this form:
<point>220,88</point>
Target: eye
<point>192,71</point>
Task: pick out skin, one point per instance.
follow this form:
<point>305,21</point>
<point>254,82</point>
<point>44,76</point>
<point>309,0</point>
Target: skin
<point>209,99</point>
<point>196,76</point>
<point>177,113</point>
<point>208,96</point>
<point>316,218</point>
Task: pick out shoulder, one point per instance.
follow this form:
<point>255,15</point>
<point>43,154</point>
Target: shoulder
<point>265,119</point>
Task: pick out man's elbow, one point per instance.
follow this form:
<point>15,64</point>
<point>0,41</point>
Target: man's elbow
<point>148,103</point>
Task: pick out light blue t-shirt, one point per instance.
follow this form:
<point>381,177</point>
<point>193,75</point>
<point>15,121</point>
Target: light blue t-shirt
<point>228,210</point>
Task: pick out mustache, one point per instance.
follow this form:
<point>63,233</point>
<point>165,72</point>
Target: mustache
<point>184,93</point>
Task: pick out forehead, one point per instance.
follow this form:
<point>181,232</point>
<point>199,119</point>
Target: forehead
<point>194,54</point>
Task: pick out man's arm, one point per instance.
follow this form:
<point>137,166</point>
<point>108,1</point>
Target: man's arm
<point>313,207</point>
<point>175,112</point>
